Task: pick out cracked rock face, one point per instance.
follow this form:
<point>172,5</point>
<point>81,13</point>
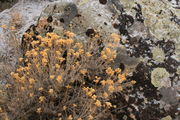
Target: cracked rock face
<point>149,47</point>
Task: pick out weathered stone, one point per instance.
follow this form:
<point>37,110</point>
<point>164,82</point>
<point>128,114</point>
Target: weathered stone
<point>166,92</point>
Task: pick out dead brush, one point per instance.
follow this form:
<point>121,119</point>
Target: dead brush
<point>62,79</point>
<point>3,99</point>
<point>12,40</point>
<point>16,19</point>
<point>8,60</point>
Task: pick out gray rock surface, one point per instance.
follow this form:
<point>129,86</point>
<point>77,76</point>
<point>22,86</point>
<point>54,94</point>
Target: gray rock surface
<point>6,4</point>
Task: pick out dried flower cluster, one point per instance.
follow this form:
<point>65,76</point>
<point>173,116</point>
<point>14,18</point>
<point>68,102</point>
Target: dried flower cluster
<point>63,79</point>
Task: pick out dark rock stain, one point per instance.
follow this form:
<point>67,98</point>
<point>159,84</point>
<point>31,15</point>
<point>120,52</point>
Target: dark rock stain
<point>103,2</point>
<point>90,32</point>
<point>50,19</point>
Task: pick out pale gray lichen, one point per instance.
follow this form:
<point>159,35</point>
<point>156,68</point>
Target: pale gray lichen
<point>160,78</point>
<point>167,118</point>
<point>158,54</point>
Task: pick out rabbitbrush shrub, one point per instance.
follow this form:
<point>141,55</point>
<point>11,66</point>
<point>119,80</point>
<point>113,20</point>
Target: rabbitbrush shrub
<point>61,78</point>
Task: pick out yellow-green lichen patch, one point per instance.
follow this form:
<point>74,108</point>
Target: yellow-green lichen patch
<point>167,118</point>
<point>128,5</point>
<point>157,16</point>
<point>158,54</point>
<point>177,51</point>
<point>160,78</point>
<point>82,2</point>
<point>178,70</point>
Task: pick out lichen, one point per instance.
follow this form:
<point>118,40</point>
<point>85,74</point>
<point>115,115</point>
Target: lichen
<point>128,4</point>
<point>167,118</point>
<point>178,70</point>
<point>83,2</point>
<point>160,78</point>
<point>157,18</point>
<point>177,51</point>
<point>158,54</point>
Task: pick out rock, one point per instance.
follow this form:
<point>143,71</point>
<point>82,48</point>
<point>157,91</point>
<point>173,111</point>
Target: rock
<point>166,92</point>
<point>123,58</point>
<point>82,19</point>
<point>79,18</point>
<point>76,18</point>
<point>10,39</point>
<point>5,4</point>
